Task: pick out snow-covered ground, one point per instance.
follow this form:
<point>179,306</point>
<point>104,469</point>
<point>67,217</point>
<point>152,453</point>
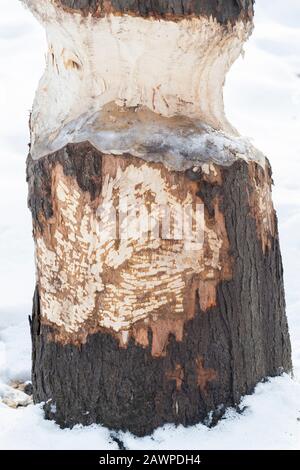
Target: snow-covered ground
<point>263,101</point>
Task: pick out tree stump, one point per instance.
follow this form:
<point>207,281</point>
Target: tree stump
<point>128,136</point>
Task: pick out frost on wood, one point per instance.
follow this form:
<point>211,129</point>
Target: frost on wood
<point>136,85</point>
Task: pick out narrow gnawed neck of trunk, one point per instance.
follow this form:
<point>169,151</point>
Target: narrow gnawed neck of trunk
<point>149,84</point>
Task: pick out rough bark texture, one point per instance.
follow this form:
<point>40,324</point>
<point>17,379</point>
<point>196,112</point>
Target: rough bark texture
<point>225,349</point>
<point>221,10</point>
<point>82,162</point>
<point>134,333</point>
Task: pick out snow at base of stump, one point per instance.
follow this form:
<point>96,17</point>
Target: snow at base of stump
<point>270,420</point>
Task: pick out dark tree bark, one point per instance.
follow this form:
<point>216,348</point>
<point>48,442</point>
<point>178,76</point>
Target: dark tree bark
<point>221,10</point>
<point>235,338</point>
<point>135,334</point>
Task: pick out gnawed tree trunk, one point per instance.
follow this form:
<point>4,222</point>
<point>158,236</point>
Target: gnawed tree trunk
<point>136,332</point>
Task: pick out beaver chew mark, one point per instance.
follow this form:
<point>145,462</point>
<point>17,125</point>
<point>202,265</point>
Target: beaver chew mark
<point>81,161</point>
<point>143,287</point>
<point>222,352</point>
<point>262,209</point>
<point>180,78</point>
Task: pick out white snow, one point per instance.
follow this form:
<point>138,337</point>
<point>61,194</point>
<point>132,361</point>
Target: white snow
<point>262,99</point>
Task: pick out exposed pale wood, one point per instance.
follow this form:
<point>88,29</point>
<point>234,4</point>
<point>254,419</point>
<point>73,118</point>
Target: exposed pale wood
<point>136,334</point>
<point>170,366</point>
